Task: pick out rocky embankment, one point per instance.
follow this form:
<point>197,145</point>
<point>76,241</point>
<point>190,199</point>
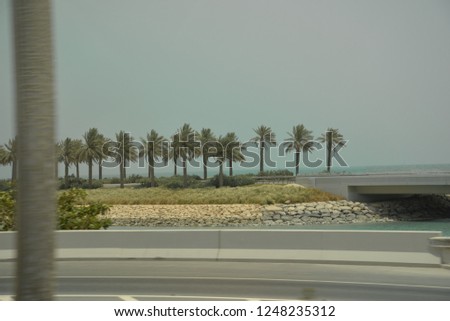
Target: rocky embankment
<point>333,212</point>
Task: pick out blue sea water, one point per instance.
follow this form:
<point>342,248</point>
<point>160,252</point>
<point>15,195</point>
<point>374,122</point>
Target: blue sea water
<point>382,169</point>
<point>433,169</point>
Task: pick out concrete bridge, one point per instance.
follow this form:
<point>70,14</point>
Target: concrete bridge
<point>376,187</point>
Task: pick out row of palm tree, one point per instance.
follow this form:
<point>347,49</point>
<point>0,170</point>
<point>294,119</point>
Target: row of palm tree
<point>185,145</point>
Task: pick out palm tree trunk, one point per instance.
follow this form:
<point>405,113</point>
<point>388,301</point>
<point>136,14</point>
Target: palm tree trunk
<point>329,136</point>
<point>121,169</point>
<point>221,174</point>
<point>90,170</point>
<point>77,166</point>
<point>184,171</point>
<point>205,168</point>
<point>66,174</point>
<point>297,162</point>
<point>230,163</point>
<point>14,171</point>
<point>151,171</point>
<point>100,169</point>
<point>36,197</point>
<point>175,167</point>
<point>261,156</point>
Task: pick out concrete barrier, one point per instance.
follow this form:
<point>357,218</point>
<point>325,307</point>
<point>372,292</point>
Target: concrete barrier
<point>442,244</point>
<point>352,247</point>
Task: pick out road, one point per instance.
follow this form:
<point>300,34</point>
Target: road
<point>208,280</point>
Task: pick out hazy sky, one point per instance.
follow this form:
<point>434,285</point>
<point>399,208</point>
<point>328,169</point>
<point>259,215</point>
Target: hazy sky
<point>377,70</point>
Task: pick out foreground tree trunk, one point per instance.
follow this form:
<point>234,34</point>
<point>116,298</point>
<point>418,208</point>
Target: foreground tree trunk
<point>36,198</point>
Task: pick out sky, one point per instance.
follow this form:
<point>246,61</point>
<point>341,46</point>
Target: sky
<point>379,71</point>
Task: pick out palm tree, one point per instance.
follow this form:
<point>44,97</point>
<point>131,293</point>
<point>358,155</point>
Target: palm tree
<point>103,153</point>
<point>264,136</point>
<point>233,150</point>
<point>8,156</point>
<point>207,140</point>
<point>174,152</point>
<point>58,158</point>
<point>184,145</point>
<point>155,150</point>
<point>220,155</point>
<point>77,147</point>
<point>68,155</point>
<point>91,149</point>
<point>334,139</point>
<point>36,195</point>
<point>300,140</point>
<point>127,153</point>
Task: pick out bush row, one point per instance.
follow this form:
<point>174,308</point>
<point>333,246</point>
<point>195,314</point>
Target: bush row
<point>73,212</point>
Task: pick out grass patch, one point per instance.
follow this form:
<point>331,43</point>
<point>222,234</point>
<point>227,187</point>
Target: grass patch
<point>253,194</point>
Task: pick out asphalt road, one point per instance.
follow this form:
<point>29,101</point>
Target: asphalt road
<point>207,280</point>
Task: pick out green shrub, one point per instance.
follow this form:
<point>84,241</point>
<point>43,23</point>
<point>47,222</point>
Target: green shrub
<point>7,209</point>
<point>233,181</point>
<point>176,182</point>
<point>114,180</point>
<point>5,185</point>
<point>74,182</point>
<point>146,182</point>
<point>133,179</point>
<point>73,212</point>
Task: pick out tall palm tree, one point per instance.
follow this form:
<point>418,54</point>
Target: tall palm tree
<point>77,146</point>
<point>207,140</point>
<point>233,150</point>
<point>9,157</point>
<point>184,141</point>
<point>154,150</point>
<point>58,158</point>
<point>333,139</point>
<point>127,153</point>
<point>102,154</point>
<point>264,136</point>
<point>220,155</point>
<point>91,149</point>
<point>68,155</point>
<point>300,140</point>
<point>36,196</point>
<point>174,152</point>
